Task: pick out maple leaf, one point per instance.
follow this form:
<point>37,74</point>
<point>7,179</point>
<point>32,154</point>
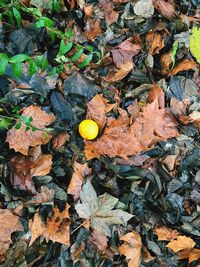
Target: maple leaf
<point>9,223</point>
<point>20,139</point>
<point>23,168</point>
<point>80,172</point>
<point>131,248</point>
<point>97,109</point>
<point>191,254</point>
<point>120,139</point>
<point>181,242</point>
<point>99,210</point>
<point>57,228</point>
<point>166,233</point>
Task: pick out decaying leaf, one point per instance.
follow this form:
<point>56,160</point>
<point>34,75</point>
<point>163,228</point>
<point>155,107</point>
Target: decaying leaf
<point>110,15</point>
<point>144,9</point>
<point>99,240</point>
<point>181,242</point>
<point>191,254</point>
<point>146,256</point>
<point>121,139</point>
<point>186,64</point>
<point>165,7</point>
<point>45,195</point>
<point>23,168</point>
<point>157,92</point>
<point>166,233</point>
<point>99,210</point>
<point>20,139</point>
<point>57,228</point>
<point>60,140</point>
<point>97,109</point>
<point>92,29</point>
<point>120,73</point>
<point>80,172</point>
<point>155,42</point>
<point>9,223</point>
<point>131,248</point>
<point>166,62</point>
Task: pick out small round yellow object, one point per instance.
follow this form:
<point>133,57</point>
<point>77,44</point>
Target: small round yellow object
<point>88,129</point>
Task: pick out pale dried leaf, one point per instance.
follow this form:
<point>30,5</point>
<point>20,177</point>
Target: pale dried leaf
<point>122,72</point>
<point>166,233</point>
<point>182,242</point>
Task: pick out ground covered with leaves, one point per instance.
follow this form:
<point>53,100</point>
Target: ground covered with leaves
<point>130,197</point>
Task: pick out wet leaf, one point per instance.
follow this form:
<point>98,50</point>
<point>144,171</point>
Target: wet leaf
<point>181,242</point>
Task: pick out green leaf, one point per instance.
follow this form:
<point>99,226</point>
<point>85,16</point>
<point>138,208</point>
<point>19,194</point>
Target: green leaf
<point>63,49</point>
<point>35,11</point>
<point>44,22</point>
<point>26,120</point>
<point>173,52</point>
<point>194,43</point>
<point>33,68</point>
<point>17,16</point>
<point>18,125</point>
<point>90,48</point>
<point>85,62</point>
<point>52,35</point>
<point>77,55</point>
<point>42,62</point>
<point>10,16</point>
<point>5,123</point>
<point>27,128</point>
<point>69,33</point>
<point>4,56</point>
<point>17,69</point>
<point>19,58</point>
<point>39,24</point>
<point>99,210</point>
<point>3,65</point>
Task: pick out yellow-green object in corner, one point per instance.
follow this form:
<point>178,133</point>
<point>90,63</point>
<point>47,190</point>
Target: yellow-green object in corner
<point>195,43</point>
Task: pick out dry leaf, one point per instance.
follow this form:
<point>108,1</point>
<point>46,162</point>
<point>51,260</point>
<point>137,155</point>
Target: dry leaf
<point>23,168</point>
<point>146,256</point>
<point>88,11</point>
<point>45,195</point>
<point>184,65</point>
<point>181,242</point>
<point>120,139</point>
<point>60,140</point>
<point>110,15</point>
<point>126,50</point>
<point>166,233</point>
<point>80,172</point>
<point>157,92</point>
<point>20,139</point>
<point>122,72</point>
<point>165,7</point>
<point>92,29</point>
<point>131,248</point>
<point>99,240</point>
<point>155,42</point>
<point>169,162</point>
<point>9,223</point>
<point>179,107</point>
<point>191,254</point>
<point>165,62</point>
<point>57,228</point>
<point>97,109</point>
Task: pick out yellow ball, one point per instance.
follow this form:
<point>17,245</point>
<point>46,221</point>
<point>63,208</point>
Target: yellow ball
<point>88,129</point>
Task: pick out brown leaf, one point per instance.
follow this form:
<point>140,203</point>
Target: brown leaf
<point>57,228</point>
<point>165,7</point>
<point>181,242</point>
<point>166,233</point>
<point>97,109</point>
<point>9,223</point>
<point>45,195</point>
<point>191,254</point>
<point>146,256</point>
<point>126,50</point>
<point>184,65</point>
<point>157,92</point>
<point>23,168</point>
<point>88,11</point>
<point>165,62</point>
<point>80,172</point>
<point>60,140</point>
<point>120,1</point>
<point>131,248</point>
<point>110,15</point>
<point>122,72</point>
<point>155,42</point>
<point>120,139</point>
<point>21,140</point>
<point>99,240</point>
<point>179,107</point>
<point>92,29</point>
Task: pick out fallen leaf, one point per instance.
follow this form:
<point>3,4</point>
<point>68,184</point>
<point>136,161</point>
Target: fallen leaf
<point>99,210</point>
<point>165,62</point>
<point>80,172</point>
<point>88,11</point>
<point>9,223</point>
<point>146,256</point>
<point>97,108</point>
<point>191,254</point>
<point>23,168</point>
<point>122,72</point>
<point>193,117</point>
<point>181,242</point>
<point>20,139</point>
<point>165,7</point>
<point>92,29</point>
<point>131,248</point>
<point>100,240</point>
<point>166,233</point>
<point>120,139</point>
<point>45,195</point>
<point>110,15</point>
<point>60,140</point>
<point>169,162</point>
<point>120,1</point>
<point>184,65</point>
<point>155,42</point>
<point>126,50</point>
<point>194,43</point>
<point>179,107</point>
<point>57,228</point>
<point>144,9</point>
<point>157,92</point>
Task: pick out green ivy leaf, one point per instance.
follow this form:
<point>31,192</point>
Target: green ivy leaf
<point>19,58</point>
<point>42,62</point>
<point>33,68</point>
<point>17,16</point>
<point>5,123</point>
<point>3,65</point>
<point>85,62</point>
<point>17,69</point>
<point>64,48</point>
<point>77,55</point>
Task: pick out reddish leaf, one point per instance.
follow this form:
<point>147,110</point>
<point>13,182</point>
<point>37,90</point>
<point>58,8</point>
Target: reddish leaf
<point>122,72</point>
<point>92,29</point>
<point>157,92</point>
<point>165,62</point>
<point>165,7</point>
<point>60,140</point>
<point>155,42</point>
<point>186,64</point>
<point>110,15</point>
<point>99,240</point>
<point>191,254</point>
